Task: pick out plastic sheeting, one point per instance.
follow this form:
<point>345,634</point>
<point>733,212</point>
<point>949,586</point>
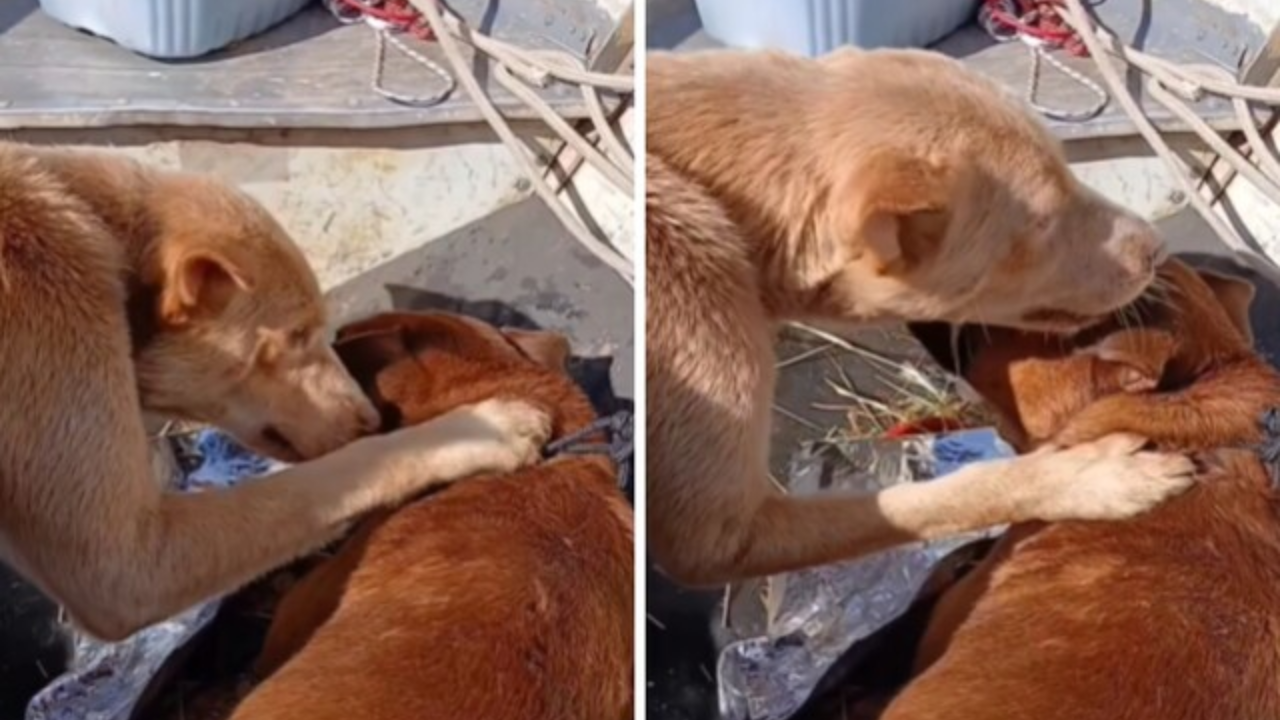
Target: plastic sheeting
<point>824,611</point>
<point>107,680</point>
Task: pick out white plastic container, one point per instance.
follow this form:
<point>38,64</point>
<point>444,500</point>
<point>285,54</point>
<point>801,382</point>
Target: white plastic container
<point>816,27</point>
<point>172,28</point>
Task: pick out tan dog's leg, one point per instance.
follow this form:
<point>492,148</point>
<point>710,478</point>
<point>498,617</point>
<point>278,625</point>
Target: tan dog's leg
<point>81,513</point>
<point>713,513</point>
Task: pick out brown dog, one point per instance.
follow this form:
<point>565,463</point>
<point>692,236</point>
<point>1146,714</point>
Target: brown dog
<point>862,187</point>
<point>1171,616</point>
<point>125,289</point>
<point>508,599</point>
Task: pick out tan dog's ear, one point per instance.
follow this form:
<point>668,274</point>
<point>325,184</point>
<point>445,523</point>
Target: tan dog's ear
<point>548,349</point>
<point>199,284</point>
<point>899,214</point>
<point>1236,295</point>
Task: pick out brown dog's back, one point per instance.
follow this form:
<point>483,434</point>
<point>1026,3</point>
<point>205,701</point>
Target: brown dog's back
<point>491,599</point>
<point>1174,615</point>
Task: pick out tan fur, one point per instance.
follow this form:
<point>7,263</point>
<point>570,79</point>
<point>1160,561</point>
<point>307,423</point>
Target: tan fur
<point>124,289</point>
<point>861,187</point>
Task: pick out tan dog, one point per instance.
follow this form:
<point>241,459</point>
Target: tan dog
<point>862,187</point>
<point>511,599</point>
<point>125,289</point>
<point>1173,615</point>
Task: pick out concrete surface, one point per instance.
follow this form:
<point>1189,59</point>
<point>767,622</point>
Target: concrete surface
<point>356,199</point>
<point>517,267</point>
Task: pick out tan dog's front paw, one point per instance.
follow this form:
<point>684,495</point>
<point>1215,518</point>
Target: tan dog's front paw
<point>494,436</point>
<point>523,430</point>
<point>1109,479</point>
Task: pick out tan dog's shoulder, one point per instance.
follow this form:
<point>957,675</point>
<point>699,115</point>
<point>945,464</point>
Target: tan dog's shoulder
<point>49,238</point>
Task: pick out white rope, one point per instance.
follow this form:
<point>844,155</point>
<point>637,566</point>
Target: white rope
<point>517,69</point>
<point>514,64</point>
<point>1087,113</point>
<point>1036,48</point>
<point>1173,85</point>
<point>385,35</point>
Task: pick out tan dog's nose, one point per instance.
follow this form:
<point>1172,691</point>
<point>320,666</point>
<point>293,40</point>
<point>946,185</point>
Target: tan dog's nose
<point>1137,245</point>
<point>369,419</point>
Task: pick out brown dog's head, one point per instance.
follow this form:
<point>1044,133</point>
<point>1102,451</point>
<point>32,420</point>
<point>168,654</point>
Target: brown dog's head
<point>1187,324</point>
<point>234,328</point>
<point>962,206</point>
<point>417,366</point>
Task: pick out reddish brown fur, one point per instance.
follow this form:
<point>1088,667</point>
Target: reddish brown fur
<point>508,599</point>
<point>1174,615</point>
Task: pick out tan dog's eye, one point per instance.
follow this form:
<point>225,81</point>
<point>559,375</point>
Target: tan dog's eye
<point>301,338</point>
<point>271,348</point>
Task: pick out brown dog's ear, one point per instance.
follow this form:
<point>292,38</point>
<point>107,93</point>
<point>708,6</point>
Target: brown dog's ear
<point>1111,377</point>
<point>1132,360</point>
<point>381,323</point>
<point>548,349</point>
<point>366,353</point>
<point>1236,295</point>
<point>899,211</point>
<point>199,284</point>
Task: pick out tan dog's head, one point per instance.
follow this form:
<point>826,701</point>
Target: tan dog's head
<point>962,208</point>
<point>1167,340</point>
<point>418,366</point>
<point>233,332</point>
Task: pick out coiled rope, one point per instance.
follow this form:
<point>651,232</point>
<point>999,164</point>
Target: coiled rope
<point>519,71</point>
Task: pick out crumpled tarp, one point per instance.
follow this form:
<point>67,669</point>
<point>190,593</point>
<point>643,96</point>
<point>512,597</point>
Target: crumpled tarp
<point>824,611</point>
<point>106,680</point>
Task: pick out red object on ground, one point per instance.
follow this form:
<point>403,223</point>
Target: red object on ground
<point>400,14</point>
<point>1039,19</point>
<point>927,426</point>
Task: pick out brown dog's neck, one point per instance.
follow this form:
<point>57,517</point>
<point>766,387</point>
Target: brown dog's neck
<point>568,419</point>
<point>571,411</point>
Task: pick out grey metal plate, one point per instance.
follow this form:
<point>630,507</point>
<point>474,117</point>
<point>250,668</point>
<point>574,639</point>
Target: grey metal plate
<point>1184,31</point>
<point>309,71</point>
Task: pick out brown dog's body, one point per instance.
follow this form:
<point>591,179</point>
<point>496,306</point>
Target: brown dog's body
<point>861,187</point>
<point>124,289</point>
<point>1171,616</point>
<point>508,599</point>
